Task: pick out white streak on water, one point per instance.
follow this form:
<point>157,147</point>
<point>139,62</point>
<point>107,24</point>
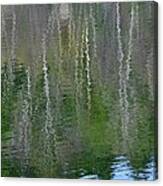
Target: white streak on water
<point>90,177</point>
<point>13,37</point>
<point>77,60</point>
<point>29,85</point>
<point>130,44</point>
<point>94,32</point>
<point>124,73</point>
<point>4,31</point>
<point>120,56</point>
<point>24,126</point>
<point>149,67</point>
<point>64,11</point>
<point>120,59</point>
<point>70,30</point>
<point>29,106</point>
<point>128,68</point>
<point>13,44</point>
<point>88,67</point>
<point>49,119</point>
<point>59,44</point>
<point>149,62</point>
<point>49,128</point>
<point>81,78</point>
<point>48,123</point>
<point>137,19</point>
<point>52,20</point>
<point>79,43</point>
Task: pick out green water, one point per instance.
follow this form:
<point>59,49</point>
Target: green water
<point>79,91</point>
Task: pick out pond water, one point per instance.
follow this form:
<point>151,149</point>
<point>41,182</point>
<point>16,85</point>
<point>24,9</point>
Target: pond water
<point>78,98</point>
<point>121,169</point>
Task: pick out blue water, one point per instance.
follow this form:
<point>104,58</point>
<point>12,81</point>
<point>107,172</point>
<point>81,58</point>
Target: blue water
<point>121,169</point>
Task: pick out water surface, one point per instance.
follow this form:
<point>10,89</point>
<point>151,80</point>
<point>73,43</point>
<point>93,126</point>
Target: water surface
<point>78,91</point>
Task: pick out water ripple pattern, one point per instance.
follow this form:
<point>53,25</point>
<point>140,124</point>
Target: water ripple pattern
<point>79,90</point>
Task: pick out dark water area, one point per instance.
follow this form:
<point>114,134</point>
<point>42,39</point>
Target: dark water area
<point>79,91</point>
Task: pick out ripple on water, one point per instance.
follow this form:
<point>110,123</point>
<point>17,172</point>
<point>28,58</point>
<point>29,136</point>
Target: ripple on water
<point>90,177</point>
<point>122,170</point>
